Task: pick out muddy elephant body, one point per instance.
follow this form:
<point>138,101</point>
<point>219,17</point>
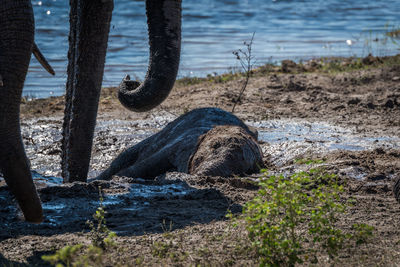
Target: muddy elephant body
<point>175,146</point>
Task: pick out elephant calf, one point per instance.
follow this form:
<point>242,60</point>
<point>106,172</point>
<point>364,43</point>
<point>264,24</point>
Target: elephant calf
<point>172,148</point>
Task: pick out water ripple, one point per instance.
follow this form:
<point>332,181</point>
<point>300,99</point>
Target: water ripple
<point>212,29</point>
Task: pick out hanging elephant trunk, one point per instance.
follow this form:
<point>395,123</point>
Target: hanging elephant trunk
<point>164,24</point>
<point>16,44</point>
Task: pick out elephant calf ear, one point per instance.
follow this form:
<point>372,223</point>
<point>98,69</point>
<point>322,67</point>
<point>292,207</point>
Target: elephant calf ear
<point>164,22</point>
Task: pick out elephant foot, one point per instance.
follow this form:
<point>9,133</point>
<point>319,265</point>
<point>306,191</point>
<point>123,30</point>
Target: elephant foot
<point>19,179</point>
<point>172,148</point>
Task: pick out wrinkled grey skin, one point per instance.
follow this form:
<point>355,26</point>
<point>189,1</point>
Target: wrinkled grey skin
<point>88,37</point>
<point>226,151</point>
<point>85,69</point>
<point>171,148</point>
<point>16,45</point>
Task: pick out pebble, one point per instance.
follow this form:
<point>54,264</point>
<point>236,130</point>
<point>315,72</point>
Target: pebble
<point>396,78</point>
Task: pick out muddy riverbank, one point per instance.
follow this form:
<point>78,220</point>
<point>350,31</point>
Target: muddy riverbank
<point>350,120</point>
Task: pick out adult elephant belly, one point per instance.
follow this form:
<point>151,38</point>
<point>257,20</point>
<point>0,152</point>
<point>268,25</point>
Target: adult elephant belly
<point>16,43</point>
<point>183,146</point>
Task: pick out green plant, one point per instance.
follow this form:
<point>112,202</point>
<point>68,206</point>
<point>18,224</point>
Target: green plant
<point>99,234</point>
<point>65,255</point>
<point>167,228</point>
<point>290,212</point>
<point>161,249</point>
<point>362,232</point>
<point>168,249</point>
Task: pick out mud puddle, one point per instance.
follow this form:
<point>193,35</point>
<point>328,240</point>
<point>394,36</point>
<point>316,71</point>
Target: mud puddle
<point>42,138</point>
<point>133,206</point>
<point>136,206</point>
<point>285,140</point>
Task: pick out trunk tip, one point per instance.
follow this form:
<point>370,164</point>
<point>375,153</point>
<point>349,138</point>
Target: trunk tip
<point>127,84</point>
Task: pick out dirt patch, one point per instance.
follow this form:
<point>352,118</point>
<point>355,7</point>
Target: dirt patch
<point>362,103</point>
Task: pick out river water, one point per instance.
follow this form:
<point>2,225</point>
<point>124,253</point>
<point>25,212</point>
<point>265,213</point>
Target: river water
<point>212,29</point>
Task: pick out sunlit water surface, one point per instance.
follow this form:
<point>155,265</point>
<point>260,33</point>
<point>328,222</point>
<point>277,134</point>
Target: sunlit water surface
<point>212,29</point>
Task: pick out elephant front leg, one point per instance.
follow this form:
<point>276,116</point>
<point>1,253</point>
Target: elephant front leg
<point>89,28</point>
<point>16,41</point>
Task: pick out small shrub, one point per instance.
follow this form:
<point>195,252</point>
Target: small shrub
<point>362,232</point>
<point>161,249</point>
<point>168,249</point>
<point>290,213</point>
<point>100,235</point>
<point>65,255</point>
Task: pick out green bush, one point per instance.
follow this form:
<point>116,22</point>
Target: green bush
<point>293,216</point>
<point>362,232</point>
<point>65,255</point>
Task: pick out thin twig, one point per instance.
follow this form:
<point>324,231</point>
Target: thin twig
<point>246,61</point>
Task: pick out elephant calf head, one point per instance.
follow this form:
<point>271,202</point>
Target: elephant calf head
<point>16,44</point>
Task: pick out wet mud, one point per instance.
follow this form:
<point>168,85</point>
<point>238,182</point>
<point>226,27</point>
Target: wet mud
<point>137,206</point>
<point>133,206</point>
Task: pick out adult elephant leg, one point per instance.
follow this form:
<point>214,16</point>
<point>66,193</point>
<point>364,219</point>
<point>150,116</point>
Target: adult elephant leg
<point>164,22</point>
<point>16,42</point>
<point>89,28</point>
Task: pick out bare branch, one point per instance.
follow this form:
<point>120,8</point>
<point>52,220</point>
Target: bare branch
<point>246,61</point>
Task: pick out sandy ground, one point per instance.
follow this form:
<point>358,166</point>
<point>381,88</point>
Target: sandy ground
<point>349,119</point>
